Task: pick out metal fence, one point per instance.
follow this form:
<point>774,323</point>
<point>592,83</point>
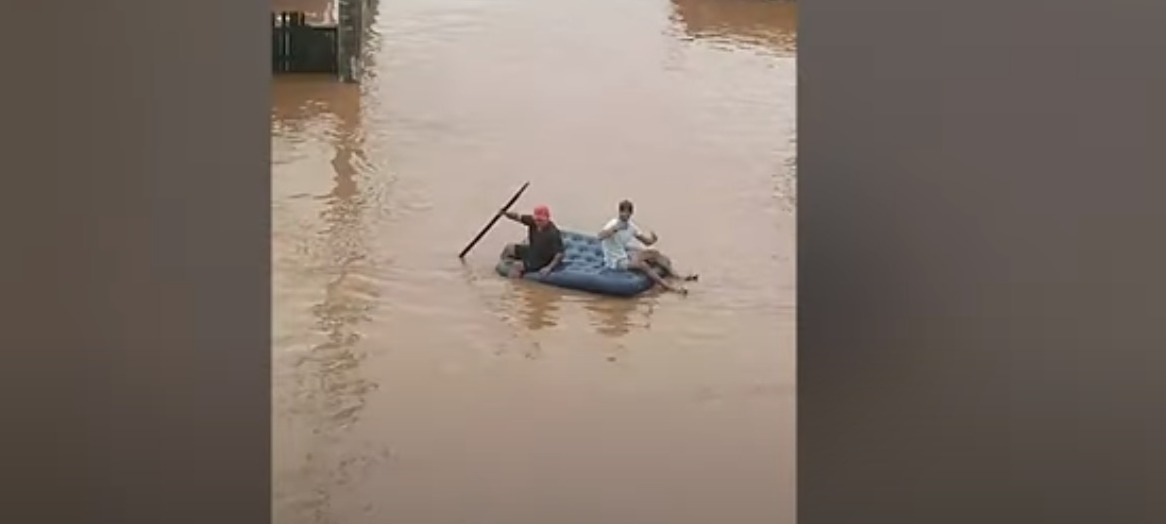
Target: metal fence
<point>297,47</point>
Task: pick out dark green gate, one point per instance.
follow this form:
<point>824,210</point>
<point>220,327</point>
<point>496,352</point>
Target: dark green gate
<point>297,47</point>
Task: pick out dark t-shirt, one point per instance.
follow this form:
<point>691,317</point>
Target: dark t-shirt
<point>544,244</point>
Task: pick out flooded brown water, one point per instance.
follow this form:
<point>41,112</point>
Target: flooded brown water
<point>413,388</point>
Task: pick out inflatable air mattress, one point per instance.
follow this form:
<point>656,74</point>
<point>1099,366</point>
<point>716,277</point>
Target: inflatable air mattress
<point>582,269</point>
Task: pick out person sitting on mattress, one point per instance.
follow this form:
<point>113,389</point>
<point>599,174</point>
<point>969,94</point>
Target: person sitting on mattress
<point>625,247</point>
<point>543,250</point>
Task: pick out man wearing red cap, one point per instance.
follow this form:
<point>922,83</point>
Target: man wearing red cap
<point>544,248</point>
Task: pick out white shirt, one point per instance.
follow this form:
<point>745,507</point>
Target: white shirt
<point>615,247</point>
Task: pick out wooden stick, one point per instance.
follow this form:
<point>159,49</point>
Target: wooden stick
<point>493,221</point>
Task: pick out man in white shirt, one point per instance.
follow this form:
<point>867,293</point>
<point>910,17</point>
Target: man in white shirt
<point>625,248</point>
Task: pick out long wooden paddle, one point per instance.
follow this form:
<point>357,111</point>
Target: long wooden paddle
<point>493,221</point>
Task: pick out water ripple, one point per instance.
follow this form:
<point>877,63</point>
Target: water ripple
<point>383,339</point>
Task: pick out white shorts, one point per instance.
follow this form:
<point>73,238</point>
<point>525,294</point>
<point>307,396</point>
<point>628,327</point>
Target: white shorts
<point>619,264</point>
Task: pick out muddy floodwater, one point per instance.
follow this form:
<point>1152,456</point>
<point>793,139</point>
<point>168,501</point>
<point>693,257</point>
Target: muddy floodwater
<point>414,388</point>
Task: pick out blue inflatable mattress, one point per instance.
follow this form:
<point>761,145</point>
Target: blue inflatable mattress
<point>582,269</point>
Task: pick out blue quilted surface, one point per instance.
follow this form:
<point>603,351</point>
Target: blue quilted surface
<point>583,269</point>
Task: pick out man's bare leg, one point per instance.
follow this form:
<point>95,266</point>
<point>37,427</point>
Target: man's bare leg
<point>654,257</point>
<point>637,263</point>
<point>666,263</point>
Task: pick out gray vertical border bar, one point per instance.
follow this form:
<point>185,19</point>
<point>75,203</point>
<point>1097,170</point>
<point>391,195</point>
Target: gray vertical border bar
<point>982,332</point>
<point>136,241</point>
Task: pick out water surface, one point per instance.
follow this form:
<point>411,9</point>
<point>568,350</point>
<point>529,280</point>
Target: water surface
<point>412,388</point>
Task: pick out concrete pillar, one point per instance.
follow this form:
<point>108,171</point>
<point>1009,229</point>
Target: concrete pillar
<point>350,35</point>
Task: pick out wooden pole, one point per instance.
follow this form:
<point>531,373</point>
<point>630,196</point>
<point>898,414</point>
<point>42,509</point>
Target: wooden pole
<point>493,221</point>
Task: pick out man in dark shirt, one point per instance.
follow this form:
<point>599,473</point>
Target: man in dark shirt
<point>544,248</point>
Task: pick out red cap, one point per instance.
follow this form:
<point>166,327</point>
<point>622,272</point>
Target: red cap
<point>543,212</point>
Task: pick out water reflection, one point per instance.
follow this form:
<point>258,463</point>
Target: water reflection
<point>331,392</point>
<point>351,294</point>
<point>770,24</point>
<point>616,317</point>
<point>302,102</point>
<point>539,305</point>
